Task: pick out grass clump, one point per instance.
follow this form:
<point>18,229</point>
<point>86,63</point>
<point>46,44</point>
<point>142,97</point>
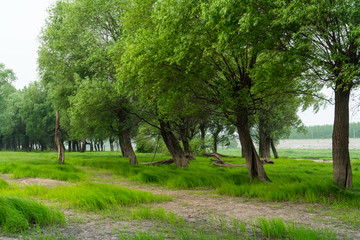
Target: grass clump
<point>18,214</point>
<point>94,196</point>
<point>276,228</point>
<point>3,184</point>
<point>157,214</point>
<point>40,165</point>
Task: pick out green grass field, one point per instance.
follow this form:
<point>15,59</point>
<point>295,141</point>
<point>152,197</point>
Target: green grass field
<point>292,180</point>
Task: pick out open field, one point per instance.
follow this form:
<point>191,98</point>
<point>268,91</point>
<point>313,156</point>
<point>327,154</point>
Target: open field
<point>100,196</point>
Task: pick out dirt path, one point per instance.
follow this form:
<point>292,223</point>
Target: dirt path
<point>193,206</point>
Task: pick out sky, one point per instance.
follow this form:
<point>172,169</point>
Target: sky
<point>20,25</point>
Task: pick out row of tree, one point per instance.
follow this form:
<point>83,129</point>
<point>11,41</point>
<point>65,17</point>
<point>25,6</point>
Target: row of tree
<point>322,132</point>
<point>181,65</point>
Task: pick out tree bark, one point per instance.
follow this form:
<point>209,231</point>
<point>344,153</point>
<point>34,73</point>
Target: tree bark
<point>111,141</point>
<point>173,145</point>
<point>255,167</point>
<point>69,147</point>
<point>60,145</point>
<point>342,173</point>
<point>264,140</point>
<point>188,152</point>
<point>215,143</point>
<point>74,146</point>
<point>273,148</point>
<point>83,145</point>
<point>202,136</point>
<point>126,147</point>
<point>91,146</point>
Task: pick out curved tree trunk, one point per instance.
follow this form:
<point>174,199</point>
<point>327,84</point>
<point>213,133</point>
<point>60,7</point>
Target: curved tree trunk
<point>126,147</point>
<point>340,140</point>
<point>255,167</point>
<point>273,148</point>
<point>173,145</point>
<point>60,145</point>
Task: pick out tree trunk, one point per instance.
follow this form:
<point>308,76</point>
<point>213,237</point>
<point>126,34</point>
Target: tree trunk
<point>83,146</point>
<point>69,146</point>
<point>173,145</point>
<point>111,141</point>
<point>340,140</point>
<point>74,146</point>
<point>255,167</point>
<point>188,152</point>
<point>215,143</point>
<point>91,146</point>
<point>202,136</point>
<point>273,148</point>
<point>60,145</point>
<point>264,139</point>
<point>126,147</point>
<point>102,145</point>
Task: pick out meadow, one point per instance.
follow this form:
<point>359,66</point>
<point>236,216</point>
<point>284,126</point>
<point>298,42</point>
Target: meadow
<point>102,183</point>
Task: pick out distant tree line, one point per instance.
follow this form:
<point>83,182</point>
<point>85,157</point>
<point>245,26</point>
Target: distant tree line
<point>175,72</point>
<point>322,132</point>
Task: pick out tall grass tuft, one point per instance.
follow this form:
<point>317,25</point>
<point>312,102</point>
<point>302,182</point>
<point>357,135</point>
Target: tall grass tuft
<point>18,214</point>
<point>94,196</point>
<point>276,228</point>
<point>158,214</point>
<point>3,184</point>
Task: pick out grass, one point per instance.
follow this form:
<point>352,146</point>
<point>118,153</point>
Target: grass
<point>18,214</point>
<point>88,196</point>
<point>40,165</point>
<point>223,228</point>
<point>292,180</point>
<point>302,181</point>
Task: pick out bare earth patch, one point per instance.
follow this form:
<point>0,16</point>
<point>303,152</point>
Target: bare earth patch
<point>33,181</point>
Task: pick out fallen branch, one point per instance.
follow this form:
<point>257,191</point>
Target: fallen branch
<point>228,165</point>
<point>220,163</point>
<point>215,155</point>
<point>267,161</point>
<point>167,161</point>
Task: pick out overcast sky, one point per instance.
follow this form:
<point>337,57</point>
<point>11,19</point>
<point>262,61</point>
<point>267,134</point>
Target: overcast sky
<point>20,25</point>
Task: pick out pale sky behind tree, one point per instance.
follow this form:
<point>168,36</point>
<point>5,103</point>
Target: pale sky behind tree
<point>20,25</point>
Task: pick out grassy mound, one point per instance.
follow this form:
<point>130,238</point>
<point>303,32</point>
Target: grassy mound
<point>94,196</point>
<point>18,214</point>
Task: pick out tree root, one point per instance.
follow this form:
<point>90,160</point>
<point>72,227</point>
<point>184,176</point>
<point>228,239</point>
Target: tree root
<point>167,162</point>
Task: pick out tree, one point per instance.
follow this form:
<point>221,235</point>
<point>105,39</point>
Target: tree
<point>98,110</point>
<point>218,54</point>
<point>82,33</point>
<point>327,33</point>
<point>161,90</point>
<point>38,116</point>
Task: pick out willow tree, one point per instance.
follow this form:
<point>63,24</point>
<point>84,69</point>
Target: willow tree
<point>77,47</point>
<point>221,45</point>
<point>327,33</point>
<point>162,90</point>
